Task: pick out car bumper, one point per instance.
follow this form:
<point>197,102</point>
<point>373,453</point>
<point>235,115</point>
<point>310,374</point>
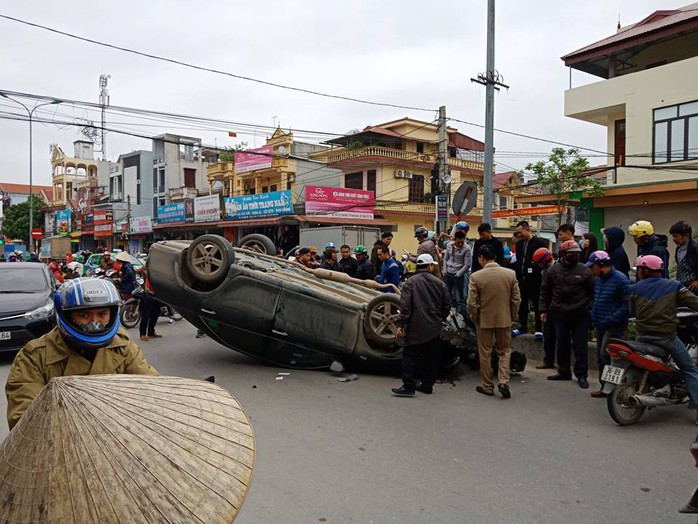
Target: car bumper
<point>20,331</point>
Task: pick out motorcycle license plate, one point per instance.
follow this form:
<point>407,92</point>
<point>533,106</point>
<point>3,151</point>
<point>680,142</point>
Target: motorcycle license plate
<point>612,374</point>
<point>5,335</point>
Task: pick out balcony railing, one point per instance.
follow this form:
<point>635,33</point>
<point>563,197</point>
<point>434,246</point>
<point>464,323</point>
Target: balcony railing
<point>220,168</point>
<point>407,207</point>
<point>332,157</point>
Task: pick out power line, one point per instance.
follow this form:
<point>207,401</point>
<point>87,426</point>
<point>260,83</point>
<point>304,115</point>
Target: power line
<point>206,69</point>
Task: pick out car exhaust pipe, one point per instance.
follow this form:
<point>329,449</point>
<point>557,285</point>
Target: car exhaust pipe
<point>651,401</point>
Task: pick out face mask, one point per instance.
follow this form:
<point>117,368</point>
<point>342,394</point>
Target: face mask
<point>92,328</point>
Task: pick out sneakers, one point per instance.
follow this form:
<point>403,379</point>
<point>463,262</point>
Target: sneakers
<point>538,335</point>
<point>517,332</point>
<point>172,321</point>
<point>402,391</point>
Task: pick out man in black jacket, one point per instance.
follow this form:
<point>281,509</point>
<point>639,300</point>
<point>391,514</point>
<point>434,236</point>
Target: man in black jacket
<point>686,255</point>
<point>364,270</point>
<point>648,243</point>
<point>613,240</point>
<point>424,304</point>
<point>386,239</point>
<point>349,263</point>
<point>486,239</point>
<point>528,275</point>
<point>567,293</point>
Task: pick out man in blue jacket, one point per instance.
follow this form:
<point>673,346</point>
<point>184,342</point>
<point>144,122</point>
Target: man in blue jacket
<point>390,270</point>
<point>609,314</point>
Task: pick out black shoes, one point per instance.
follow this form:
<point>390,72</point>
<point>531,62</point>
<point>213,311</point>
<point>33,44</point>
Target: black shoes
<point>504,390</point>
<point>427,390</point>
<point>546,366</point>
<point>583,383</point>
<point>402,391</point>
<point>558,376</point>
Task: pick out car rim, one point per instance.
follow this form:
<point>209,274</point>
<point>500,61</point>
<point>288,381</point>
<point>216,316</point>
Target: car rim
<point>257,247</point>
<point>208,259</point>
<point>384,320</point>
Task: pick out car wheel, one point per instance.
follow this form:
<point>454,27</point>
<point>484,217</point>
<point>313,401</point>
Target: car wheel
<point>380,322</point>
<point>259,244</point>
<point>209,258</point>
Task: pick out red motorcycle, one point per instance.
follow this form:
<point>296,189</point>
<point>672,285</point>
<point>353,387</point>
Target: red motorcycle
<point>642,376</point>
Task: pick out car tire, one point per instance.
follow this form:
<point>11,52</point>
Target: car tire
<point>209,258</point>
<point>258,243</point>
<point>380,322</point>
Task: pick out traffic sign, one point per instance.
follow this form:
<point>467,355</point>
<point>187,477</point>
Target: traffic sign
<point>465,198</point>
<point>37,233</point>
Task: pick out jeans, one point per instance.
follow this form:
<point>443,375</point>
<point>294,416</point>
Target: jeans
<point>571,331</point>
<point>681,358</point>
<point>603,335</point>
<point>421,357</point>
<point>455,289</point>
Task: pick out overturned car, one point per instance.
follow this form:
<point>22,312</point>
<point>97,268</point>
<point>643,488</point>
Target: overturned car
<point>284,313</point>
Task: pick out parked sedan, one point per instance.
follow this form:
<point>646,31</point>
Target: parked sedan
<point>277,310</point>
<point>26,303</point>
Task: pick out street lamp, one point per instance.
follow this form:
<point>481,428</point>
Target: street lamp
<point>30,112</point>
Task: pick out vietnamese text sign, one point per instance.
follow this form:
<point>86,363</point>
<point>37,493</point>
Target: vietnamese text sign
<point>252,159</point>
<point>263,205</point>
<point>171,213</point>
<point>339,202</point>
<point>528,211</point>
<point>88,224</point>
<point>140,225</point>
<point>207,208</point>
<point>441,208</point>
<point>103,224</point>
<point>63,218</point>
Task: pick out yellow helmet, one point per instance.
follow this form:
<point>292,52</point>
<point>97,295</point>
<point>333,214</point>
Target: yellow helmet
<point>641,228</point>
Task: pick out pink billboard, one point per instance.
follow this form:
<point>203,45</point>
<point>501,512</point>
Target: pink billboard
<point>339,202</point>
<point>252,159</point>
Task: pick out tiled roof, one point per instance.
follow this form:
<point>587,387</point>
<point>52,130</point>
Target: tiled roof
<point>657,21</point>
<point>23,189</point>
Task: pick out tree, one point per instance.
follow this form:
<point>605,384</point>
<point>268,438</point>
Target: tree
<point>229,154</point>
<point>565,173</point>
<point>15,223</point>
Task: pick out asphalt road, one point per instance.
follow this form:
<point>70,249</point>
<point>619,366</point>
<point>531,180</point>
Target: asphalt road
<point>351,452</point>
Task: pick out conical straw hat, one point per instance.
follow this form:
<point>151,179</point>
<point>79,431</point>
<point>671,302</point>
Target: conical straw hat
<point>127,449</point>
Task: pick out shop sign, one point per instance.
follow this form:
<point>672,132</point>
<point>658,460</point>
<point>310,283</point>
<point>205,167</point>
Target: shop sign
<point>140,225</point>
<point>171,213</point>
<point>189,210</point>
<point>528,211</point>
<point>63,218</point>
<point>103,224</point>
<point>262,205</point>
<point>253,159</point>
<point>339,202</point>
<point>207,208</point>
<point>88,224</point>
<point>121,226</point>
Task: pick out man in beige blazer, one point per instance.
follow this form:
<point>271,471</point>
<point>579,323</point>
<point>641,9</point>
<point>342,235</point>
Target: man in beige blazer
<point>493,303</point>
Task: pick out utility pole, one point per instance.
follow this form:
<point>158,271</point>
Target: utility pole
<point>444,175</point>
<point>490,79</point>
<point>104,103</point>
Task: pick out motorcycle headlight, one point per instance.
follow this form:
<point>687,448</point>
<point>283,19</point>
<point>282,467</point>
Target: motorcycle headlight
<point>40,313</point>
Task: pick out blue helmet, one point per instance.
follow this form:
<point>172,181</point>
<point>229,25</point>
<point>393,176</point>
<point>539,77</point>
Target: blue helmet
<point>330,245</point>
<point>507,253</point>
<point>86,293</point>
<point>462,225</point>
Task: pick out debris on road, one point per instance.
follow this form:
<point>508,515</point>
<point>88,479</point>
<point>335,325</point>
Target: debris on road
<point>350,378</point>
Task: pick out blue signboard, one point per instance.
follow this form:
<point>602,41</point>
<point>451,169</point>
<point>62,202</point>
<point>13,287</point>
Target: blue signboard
<point>263,205</point>
<point>171,213</point>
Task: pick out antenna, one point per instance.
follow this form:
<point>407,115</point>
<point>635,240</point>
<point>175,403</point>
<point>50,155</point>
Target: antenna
<point>618,26</point>
<point>104,103</point>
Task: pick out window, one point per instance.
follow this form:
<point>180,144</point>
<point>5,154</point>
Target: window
<point>371,181</point>
<point>676,133</point>
<point>161,180</point>
<point>189,177</point>
<point>420,147</point>
<point>155,179</point>
<point>138,194</point>
<point>272,187</point>
<point>619,143</point>
<point>265,189</point>
<point>416,189</point>
<point>354,180</point>
<point>502,202</point>
<point>289,185</point>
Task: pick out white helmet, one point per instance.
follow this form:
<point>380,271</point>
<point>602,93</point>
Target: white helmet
<point>425,259</point>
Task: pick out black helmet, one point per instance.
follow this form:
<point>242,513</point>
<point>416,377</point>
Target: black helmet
<point>87,293</point>
<point>421,232</point>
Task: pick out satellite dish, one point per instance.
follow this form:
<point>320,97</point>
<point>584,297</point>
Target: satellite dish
<point>465,198</point>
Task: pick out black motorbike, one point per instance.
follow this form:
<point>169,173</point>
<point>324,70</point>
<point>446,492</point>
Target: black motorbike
<point>131,310</point>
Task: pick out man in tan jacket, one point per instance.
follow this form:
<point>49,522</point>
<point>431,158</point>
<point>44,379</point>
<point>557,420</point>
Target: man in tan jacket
<point>493,303</point>
<point>87,341</point>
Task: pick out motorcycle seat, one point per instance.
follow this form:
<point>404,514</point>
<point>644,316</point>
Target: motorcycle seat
<point>642,347</point>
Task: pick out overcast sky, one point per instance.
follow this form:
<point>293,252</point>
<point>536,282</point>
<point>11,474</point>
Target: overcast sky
<point>404,52</point>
